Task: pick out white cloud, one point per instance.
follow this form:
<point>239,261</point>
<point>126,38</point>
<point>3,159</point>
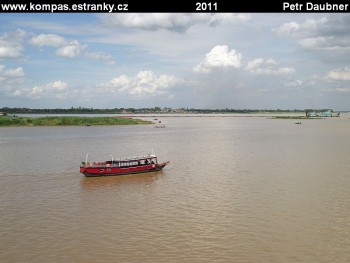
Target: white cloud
<point>219,57</point>
<point>57,86</point>
<point>10,52</point>
<point>271,61</point>
<point>294,83</point>
<point>143,85</point>
<point>342,90</point>
<point>314,42</point>
<point>311,25</point>
<point>65,47</point>
<point>56,89</point>
<point>308,28</point>
<point>11,73</point>
<point>255,64</point>
<point>71,50</point>
<point>53,89</point>
<point>287,28</point>
<point>11,44</point>
<point>16,93</point>
<point>339,74</point>
<point>318,34</point>
<point>178,22</point>
<point>52,40</point>
<point>223,18</point>
<point>68,48</point>
<point>122,82</point>
<point>10,77</point>
<point>325,43</point>
<point>155,21</point>
<point>260,66</point>
<point>100,56</point>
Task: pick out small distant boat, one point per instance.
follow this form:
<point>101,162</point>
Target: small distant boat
<point>130,165</point>
<point>299,122</point>
<point>159,125</point>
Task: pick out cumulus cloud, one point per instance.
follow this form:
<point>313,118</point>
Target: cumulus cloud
<point>11,73</point>
<point>331,43</point>
<point>144,84</point>
<point>9,77</point>
<point>287,28</point>
<point>10,52</point>
<point>318,34</point>
<point>11,44</point>
<point>52,40</point>
<point>339,74</point>
<point>178,22</point>
<point>65,48</point>
<point>56,89</point>
<point>294,83</point>
<point>255,64</point>
<point>219,57</point>
<point>260,66</point>
<point>306,29</point>
<point>155,21</point>
<point>68,48</point>
<point>220,18</point>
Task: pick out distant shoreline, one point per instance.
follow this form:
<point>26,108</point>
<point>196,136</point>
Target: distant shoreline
<point>14,121</point>
<point>155,110</point>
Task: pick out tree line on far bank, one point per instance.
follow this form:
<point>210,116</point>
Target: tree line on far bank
<point>158,110</point>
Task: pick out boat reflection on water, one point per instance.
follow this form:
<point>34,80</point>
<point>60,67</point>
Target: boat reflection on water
<point>107,182</point>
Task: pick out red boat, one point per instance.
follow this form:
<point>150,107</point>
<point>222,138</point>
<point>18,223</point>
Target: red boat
<point>132,165</point>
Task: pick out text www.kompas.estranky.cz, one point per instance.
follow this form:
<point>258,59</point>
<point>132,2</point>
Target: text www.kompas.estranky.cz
<point>82,7</point>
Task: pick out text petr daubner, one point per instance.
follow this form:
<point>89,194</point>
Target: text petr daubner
<point>309,6</point>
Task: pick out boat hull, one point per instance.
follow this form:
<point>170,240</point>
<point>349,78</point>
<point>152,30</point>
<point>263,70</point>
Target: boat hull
<point>114,171</point>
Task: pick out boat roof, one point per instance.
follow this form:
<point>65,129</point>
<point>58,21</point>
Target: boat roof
<point>138,157</point>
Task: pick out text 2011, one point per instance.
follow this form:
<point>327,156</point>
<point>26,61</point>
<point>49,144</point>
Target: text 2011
<point>203,6</point>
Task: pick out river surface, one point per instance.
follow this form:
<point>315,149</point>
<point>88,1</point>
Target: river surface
<point>237,189</point>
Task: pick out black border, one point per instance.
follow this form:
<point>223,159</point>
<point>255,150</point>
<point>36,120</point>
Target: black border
<point>182,6</point>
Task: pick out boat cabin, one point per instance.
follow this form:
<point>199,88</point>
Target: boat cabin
<point>132,162</point>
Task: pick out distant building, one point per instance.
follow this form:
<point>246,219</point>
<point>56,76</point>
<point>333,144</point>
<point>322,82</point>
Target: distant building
<point>3,113</point>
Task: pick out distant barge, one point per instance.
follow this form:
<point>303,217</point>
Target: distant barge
<point>321,113</point>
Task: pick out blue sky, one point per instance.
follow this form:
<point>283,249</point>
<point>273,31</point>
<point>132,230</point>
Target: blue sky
<point>221,60</point>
